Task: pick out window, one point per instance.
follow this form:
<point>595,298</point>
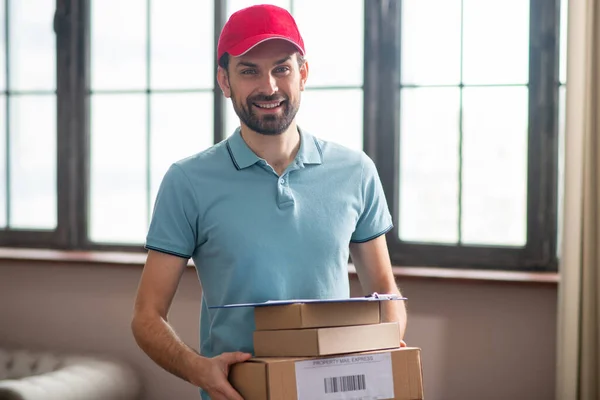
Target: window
<point>151,103</point>
<point>459,113</point>
<point>471,177</point>
<point>28,121</point>
<point>463,123</point>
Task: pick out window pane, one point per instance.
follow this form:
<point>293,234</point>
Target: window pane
<point>495,138</point>
<point>430,42</point>
<point>118,44</point>
<point>429,151</point>
<point>2,46</point>
<point>322,34</point>
<point>182,44</point>
<point>181,125</point>
<point>118,202</point>
<point>334,115</point>
<point>32,45</point>
<point>32,150</point>
<point>496,42</point>
<point>2,161</point>
<point>231,119</point>
<point>564,10</point>
<point>235,5</point>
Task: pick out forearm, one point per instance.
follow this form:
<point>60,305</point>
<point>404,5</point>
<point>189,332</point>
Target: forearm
<point>395,311</point>
<point>375,274</point>
<point>159,341</point>
<point>392,310</point>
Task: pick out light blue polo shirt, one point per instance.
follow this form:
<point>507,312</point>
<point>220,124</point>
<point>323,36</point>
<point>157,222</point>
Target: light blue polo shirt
<point>256,236</point>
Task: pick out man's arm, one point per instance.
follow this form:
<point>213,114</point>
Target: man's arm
<point>156,290</point>
<point>374,269</point>
<point>153,334</point>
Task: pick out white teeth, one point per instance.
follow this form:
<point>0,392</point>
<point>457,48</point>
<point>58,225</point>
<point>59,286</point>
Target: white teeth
<point>268,105</point>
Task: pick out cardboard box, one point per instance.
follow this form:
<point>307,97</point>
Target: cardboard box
<point>384,375</point>
<point>326,341</point>
<point>316,315</point>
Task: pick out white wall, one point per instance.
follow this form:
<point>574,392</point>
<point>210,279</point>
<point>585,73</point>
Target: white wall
<point>480,340</point>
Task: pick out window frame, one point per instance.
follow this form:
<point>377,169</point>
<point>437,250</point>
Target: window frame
<point>384,132</point>
<point>381,135</point>
<point>58,237</point>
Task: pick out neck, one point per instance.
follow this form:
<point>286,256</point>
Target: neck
<point>277,150</point>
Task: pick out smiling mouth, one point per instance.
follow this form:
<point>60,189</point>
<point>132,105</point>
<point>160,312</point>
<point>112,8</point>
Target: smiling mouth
<point>269,105</point>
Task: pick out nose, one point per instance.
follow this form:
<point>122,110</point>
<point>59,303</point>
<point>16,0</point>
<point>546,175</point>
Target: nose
<point>268,85</point>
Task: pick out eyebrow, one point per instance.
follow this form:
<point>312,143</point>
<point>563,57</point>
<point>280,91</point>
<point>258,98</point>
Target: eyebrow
<point>287,58</point>
<point>252,65</point>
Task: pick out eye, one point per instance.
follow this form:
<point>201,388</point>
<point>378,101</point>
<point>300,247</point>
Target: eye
<point>248,72</point>
<point>282,69</point>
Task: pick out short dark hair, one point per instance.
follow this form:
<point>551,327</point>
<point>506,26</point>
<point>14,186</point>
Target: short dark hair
<point>224,60</point>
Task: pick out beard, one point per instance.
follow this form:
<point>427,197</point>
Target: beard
<point>269,125</point>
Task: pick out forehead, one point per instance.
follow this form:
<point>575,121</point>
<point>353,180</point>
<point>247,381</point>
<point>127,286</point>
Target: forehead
<point>267,52</point>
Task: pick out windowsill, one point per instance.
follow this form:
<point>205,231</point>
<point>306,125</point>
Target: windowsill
<point>138,259</point>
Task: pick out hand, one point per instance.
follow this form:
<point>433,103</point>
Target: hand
<point>215,372</point>
<point>402,343</point>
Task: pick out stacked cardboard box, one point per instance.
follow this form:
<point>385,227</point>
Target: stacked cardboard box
<point>328,350</point>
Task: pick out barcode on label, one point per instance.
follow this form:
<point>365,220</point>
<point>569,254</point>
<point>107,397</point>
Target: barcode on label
<point>345,383</point>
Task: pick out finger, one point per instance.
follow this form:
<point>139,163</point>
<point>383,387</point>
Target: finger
<point>235,357</point>
<point>241,357</point>
<point>403,343</point>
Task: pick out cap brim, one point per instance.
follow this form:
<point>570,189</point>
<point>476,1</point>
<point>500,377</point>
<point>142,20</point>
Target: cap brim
<point>248,44</point>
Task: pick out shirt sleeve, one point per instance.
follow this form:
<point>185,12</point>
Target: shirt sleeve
<point>375,219</point>
<point>174,224</point>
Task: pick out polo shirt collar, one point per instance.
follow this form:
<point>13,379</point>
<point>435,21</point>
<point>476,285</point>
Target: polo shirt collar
<point>243,157</point>
<point>310,151</point>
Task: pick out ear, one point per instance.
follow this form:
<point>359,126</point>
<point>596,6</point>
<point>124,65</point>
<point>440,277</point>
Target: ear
<point>303,75</point>
<point>223,80</point>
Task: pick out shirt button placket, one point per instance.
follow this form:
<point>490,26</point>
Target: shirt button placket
<point>284,194</point>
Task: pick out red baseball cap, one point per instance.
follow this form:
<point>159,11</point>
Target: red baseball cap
<point>253,25</point>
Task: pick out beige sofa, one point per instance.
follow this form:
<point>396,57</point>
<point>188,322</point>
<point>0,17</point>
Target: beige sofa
<point>44,375</point>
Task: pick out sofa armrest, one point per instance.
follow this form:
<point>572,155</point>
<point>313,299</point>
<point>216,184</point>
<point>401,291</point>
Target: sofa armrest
<point>75,378</point>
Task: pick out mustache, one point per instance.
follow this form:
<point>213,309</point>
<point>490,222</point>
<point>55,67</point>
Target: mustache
<point>267,98</point>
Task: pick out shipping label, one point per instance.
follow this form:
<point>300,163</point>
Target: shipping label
<point>355,377</point>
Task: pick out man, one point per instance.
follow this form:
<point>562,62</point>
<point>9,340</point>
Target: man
<point>270,213</point>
